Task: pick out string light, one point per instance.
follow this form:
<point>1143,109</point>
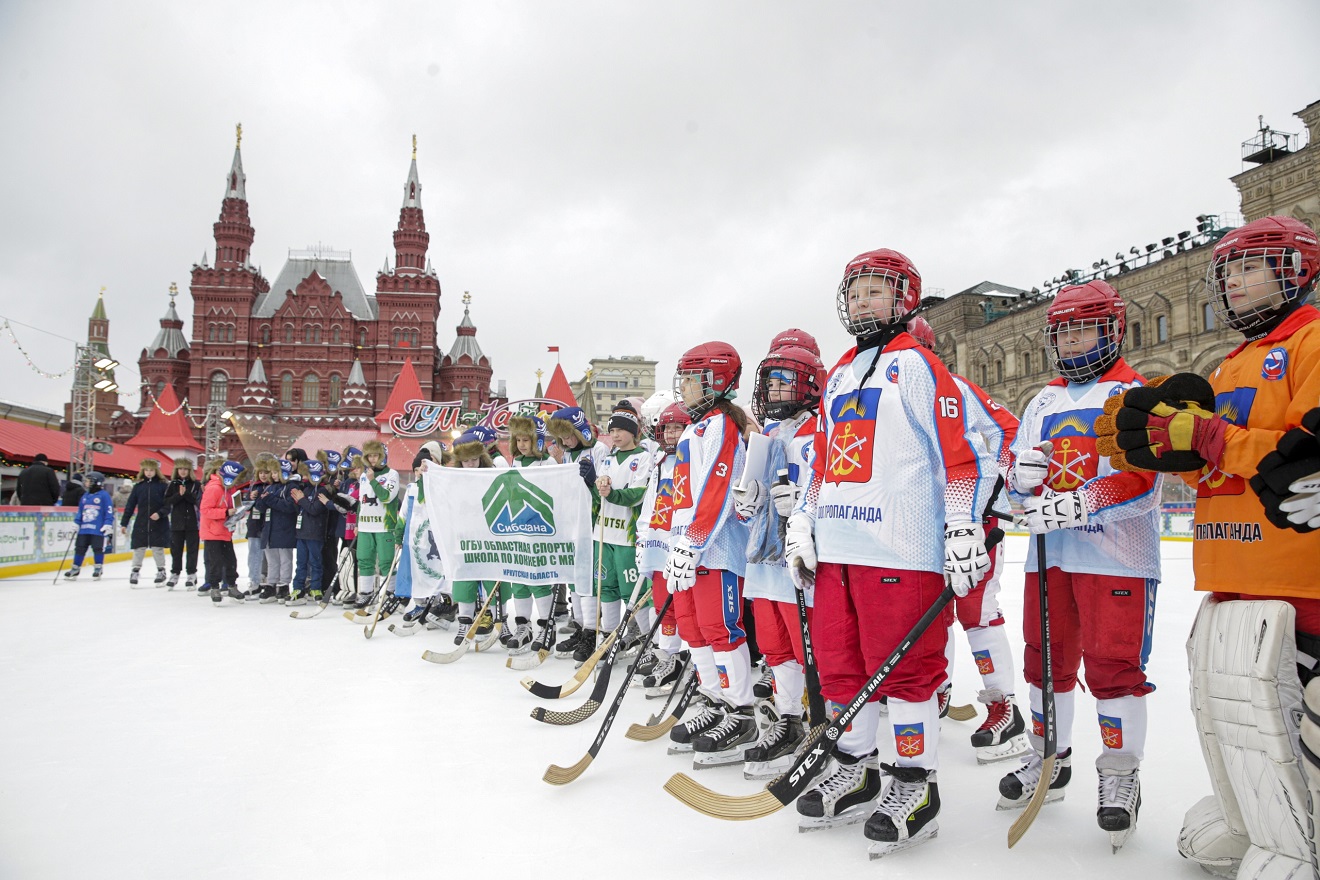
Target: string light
<point>27,357</point>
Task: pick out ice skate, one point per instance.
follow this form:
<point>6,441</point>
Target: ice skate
<point>411,619</point>
<point>96,572</point>
<point>296,598</point>
<point>664,675</point>
<point>764,689</point>
<point>645,665</point>
<point>133,576</point>
<point>906,815</point>
<point>173,580</point>
<point>233,592</point>
<point>268,596</point>
<point>1003,733</point>
<point>72,573</point>
<point>842,795</point>
<point>464,624</point>
<point>1016,789</point>
<point>728,741</point>
<point>204,590</point>
<point>190,583</point>
<point>160,577</point>
<point>486,632</point>
<point>216,594</point>
<point>568,645</point>
<point>550,634</point>
<point>520,642</point>
<point>441,612</point>
<point>1119,797</point>
<point>773,753</point>
<point>586,646</point>
<point>707,716</point>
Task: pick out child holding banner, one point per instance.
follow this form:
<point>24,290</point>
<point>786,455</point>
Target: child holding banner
<point>527,446</point>
<point>378,512</point>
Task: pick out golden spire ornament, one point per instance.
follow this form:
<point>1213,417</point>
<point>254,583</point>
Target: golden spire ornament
<point>414,146</point>
<point>238,135</point>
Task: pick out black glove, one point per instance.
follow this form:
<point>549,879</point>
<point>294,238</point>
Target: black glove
<point>1296,456</point>
<point>587,470</point>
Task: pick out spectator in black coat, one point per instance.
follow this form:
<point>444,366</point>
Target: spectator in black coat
<point>73,491</point>
<point>151,527</point>
<point>37,484</point>
<point>182,497</point>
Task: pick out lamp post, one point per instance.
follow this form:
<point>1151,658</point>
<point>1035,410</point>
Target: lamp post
<point>90,375</point>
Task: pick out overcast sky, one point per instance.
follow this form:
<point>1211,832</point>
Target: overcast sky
<point>615,178</point>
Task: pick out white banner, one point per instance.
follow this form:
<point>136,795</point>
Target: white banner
<point>518,525</point>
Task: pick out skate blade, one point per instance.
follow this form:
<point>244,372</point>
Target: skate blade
<point>879,850</point>
<point>706,760</point>
<point>767,769</point>
<point>1055,794</point>
<point>680,748</point>
<point>850,816</point>
<point>1013,748</point>
<point>655,693</point>
<point>1118,838</point>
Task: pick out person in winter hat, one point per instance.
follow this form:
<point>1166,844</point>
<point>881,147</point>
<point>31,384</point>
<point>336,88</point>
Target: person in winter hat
<point>182,497</point>
<point>471,450</point>
<point>73,491</point>
<point>527,441</point>
<point>575,436</point>
<point>310,530</point>
<point>151,527</point>
<point>377,516</point>
<point>217,541</point>
<point>279,534</point>
<point>96,521</point>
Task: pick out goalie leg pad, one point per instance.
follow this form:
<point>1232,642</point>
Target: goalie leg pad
<point>1247,703</point>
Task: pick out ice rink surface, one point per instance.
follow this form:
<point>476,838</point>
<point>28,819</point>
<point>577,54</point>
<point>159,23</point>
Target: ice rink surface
<point>145,733</point>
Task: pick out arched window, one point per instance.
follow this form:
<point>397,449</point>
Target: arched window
<point>362,336</point>
<point>1162,328</point>
<point>464,399</point>
<point>334,334</point>
<point>307,334</point>
<point>288,333</point>
<point>160,387</point>
<point>286,390</point>
<point>985,375</point>
<point>336,393</point>
<point>230,331</point>
<point>1026,363</point>
<point>219,387</point>
<point>210,333</point>
<point>999,371</point>
<point>311,393</point>
<point>265,334</point>
<point>1207,317</point>
<point>1135,332</point>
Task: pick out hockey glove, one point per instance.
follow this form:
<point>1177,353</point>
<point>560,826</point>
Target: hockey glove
<point>1288,478</point>
<point>681,566</point>
<point>587,471</point>
<point>1169,425</point>
<point>800,550</point>
<point>1031,468</point>
<point>785,498</point>
<point>1064,510</point>
<point>966,560</point>
<point>108,529</point>
<point>638,553</point>
<point>748,499</point>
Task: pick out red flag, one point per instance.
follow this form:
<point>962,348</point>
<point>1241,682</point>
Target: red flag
<point>553,348</point>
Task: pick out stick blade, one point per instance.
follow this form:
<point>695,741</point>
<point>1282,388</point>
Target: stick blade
<point>544,691</point>
<point>721,806</point>
<point>563,719</point>
<point>1028,816</point>
<point>525,662</point>
<point>649,732</point>
<point>437,657</point>
<point>556,775</point>
<point>962,713</point>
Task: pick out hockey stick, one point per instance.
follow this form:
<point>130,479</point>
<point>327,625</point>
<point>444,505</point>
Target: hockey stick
<point>687,686</point>
<point>674,690</point>
<point>815,702</point>
<point>497,622</point>
<point>568,688</point>
<point>556,775</point>
<point>344,558</point>
<point>962,713</point>
<point>528,662</point>
<point>782,791</point>
<point>67,548</point>
<point>370,629</point>
<point>587,709</point>
<point>468,637</point>
<point>1028,816</point>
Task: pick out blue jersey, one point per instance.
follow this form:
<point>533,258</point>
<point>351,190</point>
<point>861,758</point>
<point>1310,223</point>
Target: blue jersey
<point>95,512</point>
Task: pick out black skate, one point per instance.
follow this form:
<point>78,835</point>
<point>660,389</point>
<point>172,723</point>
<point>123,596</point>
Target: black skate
<point>460,635</point>
<point>728,741</point>
<point>645,665</point>
<point>506,632</point>
<point>133,576</point>
<point>268,596</point>
<point>173,581</point>
<point>160,577</point>
<point>773,753</point>
<point>843,794</point>
<point>586,646</point>
<point>415,616</point>
<point>545,638</point>
<point>296,598</point>
<point>72,573</point>
<point>233,592</point>
<point>907,811</point>
<point>764,689</point>
<point>96,572</point>
<point>1003,733</point>
<point>665,674</point>
<point>1120,797</point>
<point>681,736</point>
<point>520,641</point>
<point>216,594</point>
<point>566,647</point>
<point>1016,789</point>
<point>205,589</point>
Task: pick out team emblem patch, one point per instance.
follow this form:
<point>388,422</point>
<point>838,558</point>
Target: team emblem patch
<point>724,676</point>
<point>891,371</point>
<point>910,740</point>
<point>1074,459</point>
<point>1037,723</point>
<point>1276,364</point>
<point>1111,732</point>
<point>848,456</point>
<point>984,664</point>
<point>835,709</point>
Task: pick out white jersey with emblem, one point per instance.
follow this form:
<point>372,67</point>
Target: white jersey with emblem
<point>1122,533</point>
<point>709,462</point>
<point>371,512</point>
<point>895,459</point>
<point>654,520</point>
<point>628,478</point>
<point>771,580</point>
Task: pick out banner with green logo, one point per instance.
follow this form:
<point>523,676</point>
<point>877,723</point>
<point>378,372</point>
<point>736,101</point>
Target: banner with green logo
<point>520,525</point>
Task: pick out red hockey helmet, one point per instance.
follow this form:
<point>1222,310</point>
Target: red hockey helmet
<point>920,330</point>
<point>1259,271</point>
<point>794,336</point>
<point>800,379</point>
<point>716,366</point>
<point>861,306</point>
<point>1078,311</point>
<point>674,414</point>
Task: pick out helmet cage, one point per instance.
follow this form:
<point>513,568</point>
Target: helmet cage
<point>1094,362</point>
<point>1263,297</point>
<point>708,394</point>
<point>804,388</point>
<point>865,324</point>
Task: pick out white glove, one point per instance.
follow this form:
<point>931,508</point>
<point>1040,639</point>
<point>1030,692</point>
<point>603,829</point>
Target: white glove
<point>747,500</point>
<point>638,553</point>
<point>681,566</point>
<point>1062,510</point>
<point>785,498</point>
<point>1030,469</point>
<point>108,529</point>
<point>1303,508</point>
<point>800,550</point>
<point>966,560</point>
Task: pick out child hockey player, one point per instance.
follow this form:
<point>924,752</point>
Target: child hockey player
<point>1001,734</point>
<point>420,571</point>
<point>151,528</point>
<point>1260,627</point>
<point>310,530</point>
<point>653,526</point>
<point>527,441</point>
<point>377,516</point>
<point>217,540</point>
<point>1102,542</point>
<point>620,484</point>
<point>789,383</point>
<point>96,520</point>
<point>256,556</point>
<point>527,445</point>
<point>280,534</point>
<point>471,451</point>
<point>893,513</point>
<point>708,554</point>
<point>182,496</point>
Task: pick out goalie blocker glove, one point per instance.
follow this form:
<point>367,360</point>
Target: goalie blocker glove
<point>1288,478</point>
<point>1168,425</point>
